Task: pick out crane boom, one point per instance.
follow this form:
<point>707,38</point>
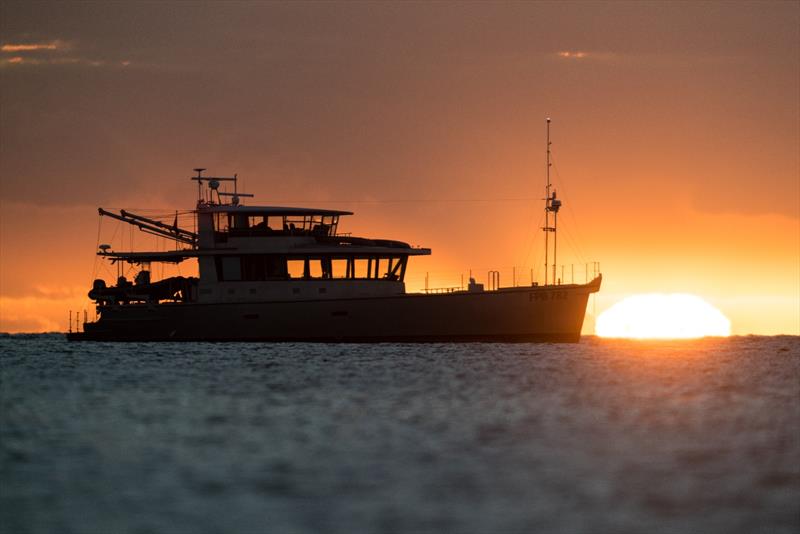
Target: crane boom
<point>153,227</point>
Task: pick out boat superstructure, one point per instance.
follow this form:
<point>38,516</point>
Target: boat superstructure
<point>279,273</point>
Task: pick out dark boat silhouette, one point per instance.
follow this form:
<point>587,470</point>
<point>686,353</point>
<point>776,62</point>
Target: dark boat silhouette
<point>273,273</point>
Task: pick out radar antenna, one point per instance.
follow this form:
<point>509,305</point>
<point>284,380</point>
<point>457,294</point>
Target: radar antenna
<point>213,187</point>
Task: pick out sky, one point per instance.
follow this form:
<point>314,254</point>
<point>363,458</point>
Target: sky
<point>675,130</point>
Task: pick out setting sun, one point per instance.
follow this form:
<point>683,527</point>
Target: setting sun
<point>659,316</point>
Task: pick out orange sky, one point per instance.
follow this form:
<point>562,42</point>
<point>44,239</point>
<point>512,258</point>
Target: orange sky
<point>675,129</point>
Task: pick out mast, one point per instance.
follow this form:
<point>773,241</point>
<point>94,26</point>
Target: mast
<point>546,206</point>
<point>551,203</point>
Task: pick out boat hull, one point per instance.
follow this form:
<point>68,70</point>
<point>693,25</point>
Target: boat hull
<point>520,314</point>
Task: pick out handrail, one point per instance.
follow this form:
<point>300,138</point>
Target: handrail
<point>434,290</point>
<point>567,274</point>
<point>493,283</point>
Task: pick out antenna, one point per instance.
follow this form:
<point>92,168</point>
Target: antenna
<point>214,185</point>
<point>199,179</point>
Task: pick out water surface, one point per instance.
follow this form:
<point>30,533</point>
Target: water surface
<point>604,436</point>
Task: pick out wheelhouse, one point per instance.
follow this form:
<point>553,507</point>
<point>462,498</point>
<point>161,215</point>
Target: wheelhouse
<point>254,221</point>
<point>246,252</point>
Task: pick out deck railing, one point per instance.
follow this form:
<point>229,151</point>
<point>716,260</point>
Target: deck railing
<point>75,317</point>
<point>432,290</point>
<point>453,281</point>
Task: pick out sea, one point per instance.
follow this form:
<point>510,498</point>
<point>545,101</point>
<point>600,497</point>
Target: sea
<point>604,436</point>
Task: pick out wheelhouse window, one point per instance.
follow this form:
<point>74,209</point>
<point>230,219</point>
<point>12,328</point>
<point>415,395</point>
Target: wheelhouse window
<point>267,224</point>
<point>321,225</point>
<point>257,222</point>
<point>221,222</point>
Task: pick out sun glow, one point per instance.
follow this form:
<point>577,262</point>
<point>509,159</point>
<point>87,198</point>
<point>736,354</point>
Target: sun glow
<point>659,316</point>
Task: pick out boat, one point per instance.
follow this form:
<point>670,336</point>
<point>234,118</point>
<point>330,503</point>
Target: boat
<point>280,274</point>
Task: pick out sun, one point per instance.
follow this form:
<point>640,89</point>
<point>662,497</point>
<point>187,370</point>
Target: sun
<point>660,316</point>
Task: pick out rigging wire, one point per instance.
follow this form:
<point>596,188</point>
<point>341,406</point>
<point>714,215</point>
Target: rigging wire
<point>407,200</point>
<point>529,236</point>
<point>534,241</point>
<point>571,240</point>
<point>96,248</point>
<point>562,185</point>
<point>114,235</point>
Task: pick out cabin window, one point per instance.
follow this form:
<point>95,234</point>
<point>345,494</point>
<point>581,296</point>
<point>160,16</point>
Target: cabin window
<point>339,268</point>
<point>262,267</point>
<point>360,268</point>
<point>254,267</point>
<point>393,268</point>
<point>296,268</point>
<point>231,268</point>
<point>315,268</point>
<point>327,267</point>
<point>276,268</point>
<point>320,267</point>
<point>384,268</point>
<point>238,221</point>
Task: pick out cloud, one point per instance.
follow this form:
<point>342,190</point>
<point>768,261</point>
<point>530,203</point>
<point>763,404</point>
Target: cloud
<point>59,292</point>
<point>30,324</point>
<point>34,47</point>
<point>34,313</point>
<point>19,60</point>
<point>49,53</point>
<point>572,55</point>
<point>577,55</point>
